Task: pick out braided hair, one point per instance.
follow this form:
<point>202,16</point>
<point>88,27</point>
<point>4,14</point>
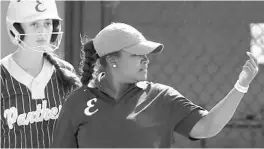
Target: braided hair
<point>91,64</point>
<point>65,75</point>
<point>88,62</point>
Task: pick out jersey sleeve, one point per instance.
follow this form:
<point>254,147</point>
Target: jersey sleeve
<point>64,134</point>
<point>184,114</point>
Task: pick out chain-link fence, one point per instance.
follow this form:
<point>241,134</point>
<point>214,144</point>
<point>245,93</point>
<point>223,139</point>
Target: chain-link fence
<point>206,81</point>
<point>206,77</point>
<point>202,59</point>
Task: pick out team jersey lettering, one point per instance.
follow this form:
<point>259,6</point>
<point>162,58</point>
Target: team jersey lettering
<point>89,106</point>
<point>41,113</point>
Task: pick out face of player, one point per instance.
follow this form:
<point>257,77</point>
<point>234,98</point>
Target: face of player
<point>39,33</point>
<point>132,67</point>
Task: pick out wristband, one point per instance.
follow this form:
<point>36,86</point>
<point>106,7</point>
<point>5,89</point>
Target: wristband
<point>241,88</point>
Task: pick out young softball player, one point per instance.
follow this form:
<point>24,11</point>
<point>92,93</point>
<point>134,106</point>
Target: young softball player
<point>117,107</point>
<point>34,83</point>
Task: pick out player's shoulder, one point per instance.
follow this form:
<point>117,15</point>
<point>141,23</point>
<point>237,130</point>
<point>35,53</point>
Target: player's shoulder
<point>4,62</point>
<point>64,64</point>
<point>1,63</point>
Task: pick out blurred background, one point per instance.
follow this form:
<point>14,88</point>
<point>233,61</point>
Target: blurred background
<point>205,49</point>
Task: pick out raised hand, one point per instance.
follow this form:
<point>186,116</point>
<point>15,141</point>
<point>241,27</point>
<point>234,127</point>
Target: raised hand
<point>250,70</point>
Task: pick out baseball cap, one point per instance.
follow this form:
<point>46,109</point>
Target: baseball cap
<point>121,36</point>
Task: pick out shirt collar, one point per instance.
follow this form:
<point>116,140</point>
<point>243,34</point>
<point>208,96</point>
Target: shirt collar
<point>102,83</point>
<point>35,85</point>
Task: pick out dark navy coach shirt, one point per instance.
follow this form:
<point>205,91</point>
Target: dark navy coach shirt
<point>145,117</point>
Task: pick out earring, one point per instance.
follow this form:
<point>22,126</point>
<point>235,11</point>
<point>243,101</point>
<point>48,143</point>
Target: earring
<point>114,65</point>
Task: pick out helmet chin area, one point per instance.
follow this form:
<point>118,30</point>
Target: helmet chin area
<point>49,47</point>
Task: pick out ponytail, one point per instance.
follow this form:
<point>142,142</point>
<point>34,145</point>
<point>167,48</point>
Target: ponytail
<point>88,62</point>
<point>66,76</point>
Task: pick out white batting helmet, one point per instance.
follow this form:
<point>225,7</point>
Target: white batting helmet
<point>20,11</point>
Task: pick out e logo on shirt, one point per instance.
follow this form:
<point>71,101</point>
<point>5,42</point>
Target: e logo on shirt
<point>90,104</point>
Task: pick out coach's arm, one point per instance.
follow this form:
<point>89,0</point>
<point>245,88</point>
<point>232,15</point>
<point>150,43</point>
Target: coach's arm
<point>220,114</point>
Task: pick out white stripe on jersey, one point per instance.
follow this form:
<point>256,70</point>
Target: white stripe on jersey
<point>49,107</point>
<point>8,108</point>
<point>57,82</point>
<point>2,124</point>
<point>2,98</point>
<point>54,98</point>
<point>23,105</point>
<point>21,138</point>
<point>36,123</point>
<point>29,120</point>
<point>43,126</point>
<point>16,107</point>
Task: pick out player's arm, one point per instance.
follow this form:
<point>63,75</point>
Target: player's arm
<point>220,114</point>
